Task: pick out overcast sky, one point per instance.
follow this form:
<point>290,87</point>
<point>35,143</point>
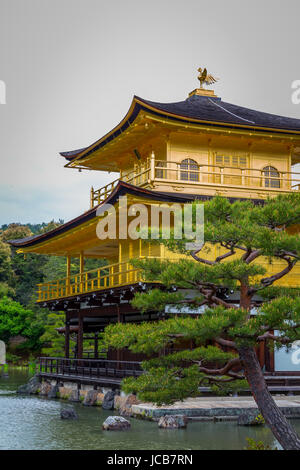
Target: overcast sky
<point>71,68</point>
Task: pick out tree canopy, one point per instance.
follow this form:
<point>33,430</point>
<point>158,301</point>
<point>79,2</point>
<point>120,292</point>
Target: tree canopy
<point>249,239</point>
<point>19,276</point>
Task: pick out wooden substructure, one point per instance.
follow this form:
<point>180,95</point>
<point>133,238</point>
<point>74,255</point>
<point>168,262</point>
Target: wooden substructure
<point>110,373</point>
<point>87,315</point>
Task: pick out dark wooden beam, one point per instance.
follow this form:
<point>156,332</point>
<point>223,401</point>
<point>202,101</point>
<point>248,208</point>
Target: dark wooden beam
<point>67,337</point>
<point>96,353</point>
<point>105,311</point>
<point>80,335</point>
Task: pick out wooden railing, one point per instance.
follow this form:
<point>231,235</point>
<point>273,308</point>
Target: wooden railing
<point>88,368</point>
<point>226,175</point>
<point>139,176</point>
<point>105,277</point>
<point>143,175</point>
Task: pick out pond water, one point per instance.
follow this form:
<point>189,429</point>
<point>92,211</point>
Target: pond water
<point>34,423</point>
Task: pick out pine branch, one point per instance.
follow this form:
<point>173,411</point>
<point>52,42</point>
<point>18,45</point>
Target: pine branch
<point>225,342</point>
<point>218,259</point>
<point>219,380</point>
<point>222,371</point>
<point>201,260</point>
<point>218,301</point>
<point>252,256</point>
<point>267,281</point>
<point>272,337</point>
<point>226,255</point>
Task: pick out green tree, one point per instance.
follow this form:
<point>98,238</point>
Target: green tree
<point>15,231</point>
<point>54,342</point>
<point>6,272</point>
<point>6,290</point>
<point>225,335</point>
<point>17,320</point>
<point>30,269</point>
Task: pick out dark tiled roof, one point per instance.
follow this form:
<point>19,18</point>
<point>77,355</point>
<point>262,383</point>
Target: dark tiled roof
<point>121,189</point>
<point>214,109</point>
<point>202,109</point>
<point>72,153</point>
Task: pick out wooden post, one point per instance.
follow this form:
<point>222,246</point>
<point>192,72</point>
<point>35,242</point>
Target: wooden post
<point>68,274</point>
<point>120,316</point>
<point>261,354</point>
<point>67,337</point>
<point>81,269</point>
<point>269,358</point>
<point>96,355</point>
<point>222,175</point>
<point>92,198</point>
<point>80,336</point>
<point>152,166</point>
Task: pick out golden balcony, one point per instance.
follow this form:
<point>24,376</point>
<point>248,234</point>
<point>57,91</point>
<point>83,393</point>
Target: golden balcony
<point>204,179</point>
<point>105,277</point>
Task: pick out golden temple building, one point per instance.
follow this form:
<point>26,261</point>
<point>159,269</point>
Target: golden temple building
<point>161,153</point>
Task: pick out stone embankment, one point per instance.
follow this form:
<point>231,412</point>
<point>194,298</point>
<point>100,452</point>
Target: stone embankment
<point>86,394</point>
<point>243,409</point>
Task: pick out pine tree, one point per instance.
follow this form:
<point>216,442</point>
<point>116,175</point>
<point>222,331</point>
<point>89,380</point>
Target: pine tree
<point>224,336</point>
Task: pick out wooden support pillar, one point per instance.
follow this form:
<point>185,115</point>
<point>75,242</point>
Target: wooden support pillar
<point>80,336</point>
<point>67,337</point>
<point>68,274</point>
<point>92,198</point>
<point>152,166</point>
<point>120,316</point>
<point>81,270</point>
<point>269,358</point>
<point>96,353</point>
<point>261,354</point>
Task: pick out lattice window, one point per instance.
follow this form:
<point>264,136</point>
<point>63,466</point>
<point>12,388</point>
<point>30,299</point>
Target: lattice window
<point>232,160</point>
<point>272,177</point>
<point>189,170</point>
<point>160,173</point>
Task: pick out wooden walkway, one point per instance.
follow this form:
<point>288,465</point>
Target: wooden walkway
<point>115,381</point>
<point>87,380</point>
<point>111,373</point>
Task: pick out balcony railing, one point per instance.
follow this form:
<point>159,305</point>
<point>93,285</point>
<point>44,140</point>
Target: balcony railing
<point>106,277</point>
<point>139,176</point>
<point>88,368</point>
<point>202,175</point>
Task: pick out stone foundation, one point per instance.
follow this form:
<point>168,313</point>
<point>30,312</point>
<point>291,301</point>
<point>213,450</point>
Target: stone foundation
<point>86,394</point>
<point>200,408</point>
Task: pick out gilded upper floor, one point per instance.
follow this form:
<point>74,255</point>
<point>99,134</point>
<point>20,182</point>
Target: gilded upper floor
<point>200,146</point>
<point>172,152</point>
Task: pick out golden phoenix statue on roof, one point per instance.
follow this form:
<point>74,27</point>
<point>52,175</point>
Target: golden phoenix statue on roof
<point>205,77</point>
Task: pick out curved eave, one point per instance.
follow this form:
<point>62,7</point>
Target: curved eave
<point>35,242</point>
<point>139,104</point>
<point>130,117</point>
<point>121,189</point>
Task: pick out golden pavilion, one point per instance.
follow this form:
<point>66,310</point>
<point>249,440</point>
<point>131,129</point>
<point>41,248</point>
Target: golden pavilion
<point>161,153</point>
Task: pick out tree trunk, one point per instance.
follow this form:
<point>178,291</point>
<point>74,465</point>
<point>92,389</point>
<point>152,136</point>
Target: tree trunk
<point>275,419</point>
<point>245,298</point>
